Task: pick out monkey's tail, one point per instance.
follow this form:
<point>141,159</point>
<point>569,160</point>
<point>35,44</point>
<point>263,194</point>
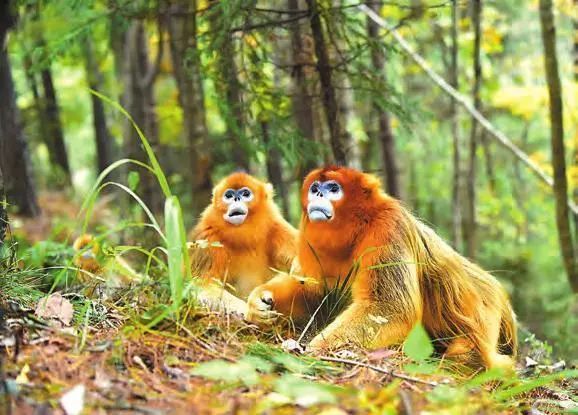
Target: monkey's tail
<point>508,340</point>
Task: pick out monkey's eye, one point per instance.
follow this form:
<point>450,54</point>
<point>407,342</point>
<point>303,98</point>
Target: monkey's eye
<point>314,188</point>
<point>229,195</point>
<point>334,187</point>
<point>245,194</point>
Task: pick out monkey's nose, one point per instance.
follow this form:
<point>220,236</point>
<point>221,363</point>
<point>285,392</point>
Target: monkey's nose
<point>267,300</point>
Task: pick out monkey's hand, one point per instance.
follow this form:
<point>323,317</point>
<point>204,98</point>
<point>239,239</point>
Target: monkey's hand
<point>260,306</point>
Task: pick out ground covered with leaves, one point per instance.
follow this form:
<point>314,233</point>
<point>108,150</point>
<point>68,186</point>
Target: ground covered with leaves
<point>125,339</point>
<point>210,363</point>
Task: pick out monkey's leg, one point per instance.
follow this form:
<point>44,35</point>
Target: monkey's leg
<point>216,298</point>
<point>361,324</point>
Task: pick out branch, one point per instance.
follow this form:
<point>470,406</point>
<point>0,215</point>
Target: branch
<point>463,101</point>
<point>378,369</point>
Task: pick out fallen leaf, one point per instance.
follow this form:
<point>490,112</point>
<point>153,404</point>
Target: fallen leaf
<point>55,307</point>
<point>72,402</point>
<point>22,378</point>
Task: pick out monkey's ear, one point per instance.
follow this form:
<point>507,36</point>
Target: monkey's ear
<point>269,190</point>
<point>370,184</point>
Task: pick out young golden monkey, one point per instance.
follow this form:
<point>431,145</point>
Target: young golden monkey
<point>407,274</point>
<point>255,240</point>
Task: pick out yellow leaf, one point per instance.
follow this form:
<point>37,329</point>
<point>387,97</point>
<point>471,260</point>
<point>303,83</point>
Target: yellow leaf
<point>22,378</point>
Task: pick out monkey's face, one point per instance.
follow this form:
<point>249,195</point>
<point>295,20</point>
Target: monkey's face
<point>237,204</point>
<point>240,197</point>
<point>321,197</point>
<point>337,195</point>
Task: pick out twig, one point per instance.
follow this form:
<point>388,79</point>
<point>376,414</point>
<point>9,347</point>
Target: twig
<point>378,369</point>
<point>465,102</point>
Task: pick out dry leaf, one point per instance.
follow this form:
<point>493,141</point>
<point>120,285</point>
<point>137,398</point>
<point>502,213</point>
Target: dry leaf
<point>55,307</point>
<point>72,402</point>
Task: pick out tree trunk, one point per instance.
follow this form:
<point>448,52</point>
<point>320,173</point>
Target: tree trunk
<point>274,170</point>
<point>3,213</point>
<point>104,142</point>
<point>385,134</point>
<point>557,141</point>
<point>470,223</point>
<point>182,27</point>
<point>141,106</point>
<point>337,132</point>
<point>456,140</point>
<point>57,147</point>
<point>575,55</point>
<point>230,88</point>
<point>303,82</point>
<point>14,158</point>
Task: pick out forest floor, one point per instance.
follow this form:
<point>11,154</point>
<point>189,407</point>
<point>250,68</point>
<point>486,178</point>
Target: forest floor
<point>83,349</point>
<point>220,364</point>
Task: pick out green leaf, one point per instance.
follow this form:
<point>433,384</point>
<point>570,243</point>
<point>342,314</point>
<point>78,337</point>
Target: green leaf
<point>245,371</point>
<point>176,249</point>
<point>133,180</point>
<point>306,393</point>
<point>418,345</point>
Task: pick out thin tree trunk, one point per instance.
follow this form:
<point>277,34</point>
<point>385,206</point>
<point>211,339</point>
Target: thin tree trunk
<point>141,106</point>
<point>3,212</point>
<point>231,89</point>
<point>575,55</point>
<point>303,78</point>
<point>456,140</point>
<point>329,98</point>
<point>385,133</point>
<point>274,170</point>
<point>57,147</point>
<point>104,142</point>
<point>557,141</point>
<point>182,26</point>
<point>470,222</point>
<point>14,157</point>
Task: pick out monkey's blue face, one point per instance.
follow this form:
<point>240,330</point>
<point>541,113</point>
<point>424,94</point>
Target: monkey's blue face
<point>320,199</point>
<point>237,201</point>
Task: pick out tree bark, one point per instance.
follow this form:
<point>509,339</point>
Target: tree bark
<point>332,113</point>
<point>385,133</point>
<point>274,170</point>
<point>141,105</point>
<point>54,133</point>
<point>182,27</point>
<point>470,222</point>
<point>303,82</point>
<point>557,141</point>
<point>230,88</point>
<point>3,212</point>
<point>14,158</point>
<point>456,140</point>
<point>104,142</point>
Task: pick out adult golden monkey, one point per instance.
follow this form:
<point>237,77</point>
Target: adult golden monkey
<point>407,274</point>
<point>254,240</point>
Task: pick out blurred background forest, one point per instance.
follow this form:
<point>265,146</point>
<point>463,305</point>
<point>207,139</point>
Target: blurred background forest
<point>277,87</point>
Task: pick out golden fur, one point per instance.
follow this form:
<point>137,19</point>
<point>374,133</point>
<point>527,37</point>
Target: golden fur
<point>407,274</point>
<point>250,251</point>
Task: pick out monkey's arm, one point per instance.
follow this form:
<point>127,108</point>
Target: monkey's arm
<point>211,263</point>
<point>287,294</point>
<point>386,303</point>
<point>282,245</point>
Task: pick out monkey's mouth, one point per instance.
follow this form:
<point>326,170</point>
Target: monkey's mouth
<point>319,213</point>
<point>236,215</point>
<point>87,255</point>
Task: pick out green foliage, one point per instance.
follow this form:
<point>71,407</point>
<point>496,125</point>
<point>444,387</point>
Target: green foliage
<point>304,392</point>
<point>418,345</point>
